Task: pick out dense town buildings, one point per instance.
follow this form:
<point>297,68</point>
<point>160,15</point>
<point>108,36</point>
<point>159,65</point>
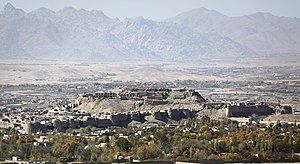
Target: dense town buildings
<point>70,115</point>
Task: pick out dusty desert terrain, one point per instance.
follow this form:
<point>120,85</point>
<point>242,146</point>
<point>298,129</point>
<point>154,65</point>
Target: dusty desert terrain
<point>23,71</point>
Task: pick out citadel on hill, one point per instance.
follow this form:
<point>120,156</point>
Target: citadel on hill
<point>140,107</point>
<point>77,86</point>
<point>156,99</point>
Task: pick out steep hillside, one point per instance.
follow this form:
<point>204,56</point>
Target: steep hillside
<point>261,32</point>
<point>81,34</point>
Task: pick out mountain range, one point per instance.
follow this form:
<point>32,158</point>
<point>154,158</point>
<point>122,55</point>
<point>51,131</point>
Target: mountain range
<point>194,35</point>
<point>261,32</point>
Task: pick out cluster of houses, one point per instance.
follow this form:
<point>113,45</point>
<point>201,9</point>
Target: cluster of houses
<point>62,119</point>
<point>68,116</point>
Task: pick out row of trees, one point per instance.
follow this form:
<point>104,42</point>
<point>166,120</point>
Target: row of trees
<point>200,139</point>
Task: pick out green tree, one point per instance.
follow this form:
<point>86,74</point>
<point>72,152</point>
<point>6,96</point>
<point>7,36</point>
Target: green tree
<point>161,139</point>
<point>123,144</point>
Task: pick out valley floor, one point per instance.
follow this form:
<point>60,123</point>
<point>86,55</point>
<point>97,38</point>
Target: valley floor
<point>49,72</point>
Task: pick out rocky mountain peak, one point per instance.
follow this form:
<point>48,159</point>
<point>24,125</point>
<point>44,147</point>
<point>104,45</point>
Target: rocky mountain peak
<point>9,7</point>
<point>10,11</point>
<point>43,12</point>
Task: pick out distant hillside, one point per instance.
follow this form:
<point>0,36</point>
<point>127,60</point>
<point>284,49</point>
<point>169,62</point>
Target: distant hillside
<point>82,34</point>
<point>261,32</point>
<point>195,35</point>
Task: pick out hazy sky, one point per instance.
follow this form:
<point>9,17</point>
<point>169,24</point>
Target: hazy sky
<point>162,9</point>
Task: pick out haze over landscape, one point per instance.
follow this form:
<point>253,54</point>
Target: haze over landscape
<point>152,81</point>
<point>197,34</point>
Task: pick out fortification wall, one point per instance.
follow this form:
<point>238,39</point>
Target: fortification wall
<point>174,114</point>
<point>249,110</point>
